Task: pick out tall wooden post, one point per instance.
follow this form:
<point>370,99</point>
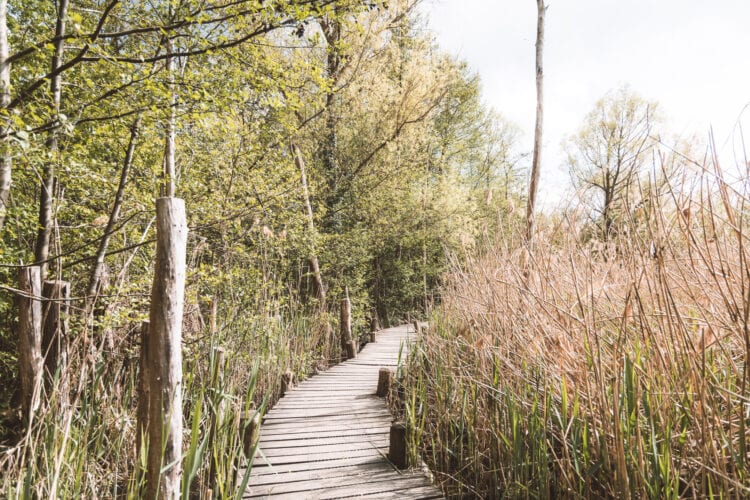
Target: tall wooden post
<point>55,336</point>
<point>165,336</point>
<point>30,363</point>
<point>348,351</point>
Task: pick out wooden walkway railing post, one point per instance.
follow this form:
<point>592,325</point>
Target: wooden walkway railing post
<point>30,338</point>
<point>348,349</point>
<point>164,474</point>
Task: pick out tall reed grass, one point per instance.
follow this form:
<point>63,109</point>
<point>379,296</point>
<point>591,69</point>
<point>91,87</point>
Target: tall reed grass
<point>86,448</point>
<point>587,369</point>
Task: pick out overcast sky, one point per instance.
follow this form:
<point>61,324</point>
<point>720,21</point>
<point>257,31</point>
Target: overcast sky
<point>692,56</point>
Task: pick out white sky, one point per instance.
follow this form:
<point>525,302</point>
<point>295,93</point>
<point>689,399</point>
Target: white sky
<point>692,56</point>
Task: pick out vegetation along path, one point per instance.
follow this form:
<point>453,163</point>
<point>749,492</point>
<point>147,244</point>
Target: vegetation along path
<point>328,438</point>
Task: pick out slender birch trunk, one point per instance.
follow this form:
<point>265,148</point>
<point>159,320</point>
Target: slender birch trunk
<point>319,286</point>
<point>96,272</point>
<point>6,163</point>
<point>46,192</point>
<point>537,156</point>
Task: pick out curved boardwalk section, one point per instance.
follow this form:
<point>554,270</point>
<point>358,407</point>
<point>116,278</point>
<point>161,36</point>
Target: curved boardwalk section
<point>328,437</point>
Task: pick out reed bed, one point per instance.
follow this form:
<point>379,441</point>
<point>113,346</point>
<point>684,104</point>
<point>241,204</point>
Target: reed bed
<point>85,445</point>
<point>584,369</point>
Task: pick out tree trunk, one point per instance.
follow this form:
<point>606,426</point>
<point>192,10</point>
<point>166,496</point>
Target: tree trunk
<point>165,343</point>
<point>537,156</point>
<point>30,339</point>
<point>320,288</point>
<point>101,252</point>
<point>168,179</point>
<point>348,349</point>
<point>332,33</point>
<point>5,155</point>
<point>55,337</point>
<point>46,192</point>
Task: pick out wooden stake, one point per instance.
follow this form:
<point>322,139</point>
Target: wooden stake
<point>287,381</point>
<point>165,342</point>
<point>397,447</point>
<point>30,363</point>
<point>385,380</point>
<point>250,431</point>
<point>348,350</point>
<point>374,322</point>
<point>55,336</point>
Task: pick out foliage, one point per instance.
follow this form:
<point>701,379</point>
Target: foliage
<point>608,153</point>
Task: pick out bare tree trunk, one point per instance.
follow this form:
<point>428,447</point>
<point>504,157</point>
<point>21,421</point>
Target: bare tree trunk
<point>168,179</point>
<point>30,339</point>
<point>319,286</point>
<point>6,164</point>
<point>348,349</point>
<point>165,352</point>
<point>101,252</point>
<point>331,27</point>
<point>46,192</point>
<point>537,156</point>
<point>55,338</point>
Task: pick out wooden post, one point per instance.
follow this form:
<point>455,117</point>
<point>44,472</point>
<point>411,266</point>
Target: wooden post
<point>30,338</point>
<point>164,473</point>
<point>372,336</point>
<point>374,322</point>
<point>348,350</point>
<point>397,448</point>
<point>250,431</point>
<point>385,380</point>
<point>55,336</point>
<point>287,381</point>
<point>144,393</point>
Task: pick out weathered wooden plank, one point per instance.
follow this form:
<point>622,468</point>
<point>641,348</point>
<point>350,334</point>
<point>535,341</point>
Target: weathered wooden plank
<point>389,483</point>
<point>315,441</point>
<point>327,414</point>
<point>308,475</point>
<point>341,426</point>
<point>320,457</point>
<point>275,452</point>
<point>322,483</point>
<point>261,468</point>
<point>304,433</point>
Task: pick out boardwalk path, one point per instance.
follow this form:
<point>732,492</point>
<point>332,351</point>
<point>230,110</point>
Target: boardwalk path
<point>328,438</point>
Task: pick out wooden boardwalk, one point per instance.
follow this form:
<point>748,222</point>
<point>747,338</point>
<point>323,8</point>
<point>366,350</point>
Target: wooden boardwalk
<point>328,437</point>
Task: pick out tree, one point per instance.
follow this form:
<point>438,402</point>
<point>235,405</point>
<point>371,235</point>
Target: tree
<point>537,158</point>
<point>608,152</point>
